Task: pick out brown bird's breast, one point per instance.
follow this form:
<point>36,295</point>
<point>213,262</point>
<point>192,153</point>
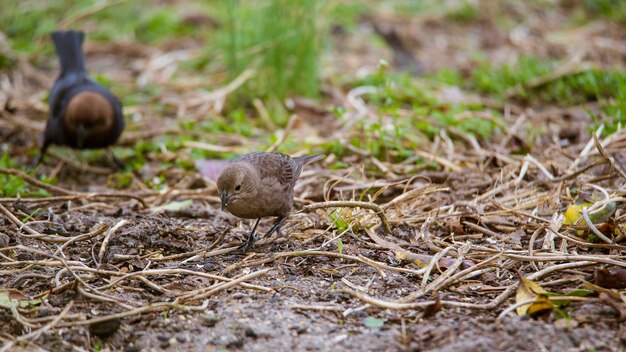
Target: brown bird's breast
<point>272,199</point>
<point>92,110</point>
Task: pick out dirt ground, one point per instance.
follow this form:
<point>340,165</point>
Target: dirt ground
<point>107,269</point>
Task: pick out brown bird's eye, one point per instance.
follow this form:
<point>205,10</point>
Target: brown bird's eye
<point>237,188</point>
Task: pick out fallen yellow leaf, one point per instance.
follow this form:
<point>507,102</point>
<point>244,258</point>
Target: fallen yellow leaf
<point>526,291</point>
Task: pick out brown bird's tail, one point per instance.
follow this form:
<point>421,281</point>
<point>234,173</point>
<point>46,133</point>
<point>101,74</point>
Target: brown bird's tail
<point>69,47</point>
<point>307,159</point>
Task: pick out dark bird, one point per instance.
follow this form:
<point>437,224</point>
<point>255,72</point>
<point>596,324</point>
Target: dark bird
<point>83,114</point>
<point>257,185</point>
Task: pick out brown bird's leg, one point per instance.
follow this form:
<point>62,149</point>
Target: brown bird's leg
<point>251,238</point>
<point>276,227</point>
<point>39,158</point>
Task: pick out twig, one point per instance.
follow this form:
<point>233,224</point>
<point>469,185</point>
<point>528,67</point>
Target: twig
<point>608,158</point>
<point>316,307</point>
<point>97,232</point>
<point>35,334</point>
<point>105,242</point>
<point>532,300</point>
<point>594,229</point>
<point>353,204</point>
<point>35,182</point>
<point>34,234</point>
<point>196,296</point>
<point>156,307</point>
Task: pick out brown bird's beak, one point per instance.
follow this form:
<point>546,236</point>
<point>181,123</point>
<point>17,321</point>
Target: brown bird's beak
<point>224,198</point>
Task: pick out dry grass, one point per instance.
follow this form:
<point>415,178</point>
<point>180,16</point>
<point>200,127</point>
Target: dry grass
<point>453,224</point>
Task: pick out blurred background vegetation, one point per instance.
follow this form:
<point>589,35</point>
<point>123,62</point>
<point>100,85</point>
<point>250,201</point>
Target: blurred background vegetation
<point>299,48</point>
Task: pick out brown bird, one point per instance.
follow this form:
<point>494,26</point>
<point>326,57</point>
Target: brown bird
<point>83,114</point>
<point>257,185</point>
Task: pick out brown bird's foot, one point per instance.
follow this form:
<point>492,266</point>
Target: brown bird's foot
<point>251,238</point>
<point>248,244</point>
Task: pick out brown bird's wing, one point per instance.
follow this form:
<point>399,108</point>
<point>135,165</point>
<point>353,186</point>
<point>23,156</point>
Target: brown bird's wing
<point>280,166</point>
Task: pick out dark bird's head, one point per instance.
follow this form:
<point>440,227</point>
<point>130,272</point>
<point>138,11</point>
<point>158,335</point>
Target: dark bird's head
<point>89,117</point>
<point>237,184</point>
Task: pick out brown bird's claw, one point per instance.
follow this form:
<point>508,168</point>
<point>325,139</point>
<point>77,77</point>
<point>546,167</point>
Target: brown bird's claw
<point>251,238</point>
<point>248,244</point>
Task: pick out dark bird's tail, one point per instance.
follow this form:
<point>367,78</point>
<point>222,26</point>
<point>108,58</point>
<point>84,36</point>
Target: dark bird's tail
<point>307,159</point>
<point>69,46</point>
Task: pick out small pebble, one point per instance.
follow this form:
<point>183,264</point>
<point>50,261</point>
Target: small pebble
<point>209,320</point>
<point>238,343</point>
<point>251,333</point>
<point>163,338</point>
<point>105,329</point>
<point>131,348</point>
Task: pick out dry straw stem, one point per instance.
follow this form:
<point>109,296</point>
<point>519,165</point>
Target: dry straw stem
<point>594,229</point>
<point>33,234</point>
<point>37,333</point>
<point>570,258</point>
<point>316,307</point>
<point>60,190</point>
<point>609,159</point>
<point>33,181</point>
<point>380,212</point>
<point>160,272</point>
<point>156,307</point>
<point>512,308</point>
<point>105,242</point>
<point>210,291</point>
<point>202,253</point>
<point>360,259</point>
<point>95,233</point>
<point>508,292</point>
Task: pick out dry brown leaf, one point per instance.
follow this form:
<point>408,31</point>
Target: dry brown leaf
<point>611,279</point>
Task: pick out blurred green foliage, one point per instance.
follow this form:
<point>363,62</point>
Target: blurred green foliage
<point>280,39</point>
<point>12,186</point>
<point>607,87</point>
<point>28,23</point>
<point>283,41</point>
<point>611,9</point>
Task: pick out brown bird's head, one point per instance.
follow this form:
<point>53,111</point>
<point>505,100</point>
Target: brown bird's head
<point>89,115</point>
<point>237,183</point>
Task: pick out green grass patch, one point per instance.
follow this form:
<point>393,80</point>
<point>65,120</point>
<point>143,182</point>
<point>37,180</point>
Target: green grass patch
<point>610,9</point>
<point>408,114</point>
<point>466,12</point>
<point>498,80</point>
<point>28,24</point>
<point>281,39</point>
<point>13,186</point>
<point>608,87</point>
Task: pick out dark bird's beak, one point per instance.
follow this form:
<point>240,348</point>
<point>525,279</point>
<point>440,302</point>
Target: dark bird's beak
<point>224,198</point>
